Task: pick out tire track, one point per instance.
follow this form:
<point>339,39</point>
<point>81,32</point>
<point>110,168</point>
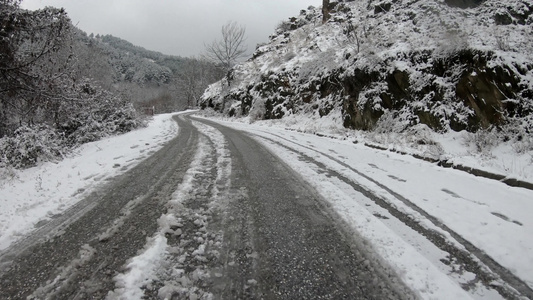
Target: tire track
<point>192,227</point>
<point>282,242</point>
<point>487,270</point>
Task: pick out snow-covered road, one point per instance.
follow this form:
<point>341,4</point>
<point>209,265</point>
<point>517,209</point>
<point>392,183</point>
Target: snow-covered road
<point>445,233</point>
<point>425,220</point>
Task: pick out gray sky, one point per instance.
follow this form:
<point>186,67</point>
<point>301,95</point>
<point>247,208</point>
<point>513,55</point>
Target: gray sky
<point>176,27</point>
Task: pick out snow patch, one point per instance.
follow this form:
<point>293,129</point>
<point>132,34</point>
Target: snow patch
<point>141,270</point>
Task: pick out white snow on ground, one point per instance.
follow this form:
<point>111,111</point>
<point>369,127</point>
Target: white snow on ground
<point>37,194</point>
<point>141,269</point>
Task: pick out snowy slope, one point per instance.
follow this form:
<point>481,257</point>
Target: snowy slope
<point>417,76</point>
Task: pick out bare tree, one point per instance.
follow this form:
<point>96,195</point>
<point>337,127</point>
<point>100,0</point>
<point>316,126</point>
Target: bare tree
<point>230,48</point>
<point>195,75</point>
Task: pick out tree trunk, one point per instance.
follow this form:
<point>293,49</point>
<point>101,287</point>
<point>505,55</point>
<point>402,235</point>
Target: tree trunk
<point>325,11</point>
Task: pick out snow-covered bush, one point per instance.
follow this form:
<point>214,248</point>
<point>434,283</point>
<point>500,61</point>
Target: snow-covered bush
<point>29,145</point>
<point>524,144</point>
<point>283,26</point>
<point>391,122</point>
<point>90,114</point>
<point>32,63</point>
<point>518,131</point>
<point>451,42</point>
<point>485,140</point>
<point>95,114</point>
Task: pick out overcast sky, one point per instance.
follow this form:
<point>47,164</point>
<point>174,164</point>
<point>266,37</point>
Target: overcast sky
<point>176,27</point>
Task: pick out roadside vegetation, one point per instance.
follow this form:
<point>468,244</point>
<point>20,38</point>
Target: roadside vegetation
<point>60,87</point>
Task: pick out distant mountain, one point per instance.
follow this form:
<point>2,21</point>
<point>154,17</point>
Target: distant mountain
<point>449,64</point>
<point>127,47</point>
<point>159,62</point>
<point>148,78</point>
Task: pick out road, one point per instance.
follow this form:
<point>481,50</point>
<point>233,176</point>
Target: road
<point>248,228</point>
<point>218,214</point>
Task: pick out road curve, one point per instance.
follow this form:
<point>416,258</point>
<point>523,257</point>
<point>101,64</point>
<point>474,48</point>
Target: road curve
<point>279,240</point>
<point>288,244</point>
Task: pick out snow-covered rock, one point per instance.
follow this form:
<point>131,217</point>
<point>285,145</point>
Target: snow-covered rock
<point>450,64</point>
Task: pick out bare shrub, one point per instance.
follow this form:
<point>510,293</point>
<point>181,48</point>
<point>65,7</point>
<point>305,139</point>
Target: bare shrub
<point>484,141</point>
<point>502,42</point>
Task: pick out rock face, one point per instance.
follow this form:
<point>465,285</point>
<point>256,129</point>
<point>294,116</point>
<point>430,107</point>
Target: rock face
<point>479,92</point>
<point>464,3</point>
<point>406,62</point>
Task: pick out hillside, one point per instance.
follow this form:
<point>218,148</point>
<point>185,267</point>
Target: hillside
<point>148,78</point>
<point>60,88</point>
<point>390,65</point>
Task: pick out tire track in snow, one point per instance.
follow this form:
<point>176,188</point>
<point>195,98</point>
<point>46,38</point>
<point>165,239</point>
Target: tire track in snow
<point>487,270</point>
<point>181,259</point>
<point>282,243</point>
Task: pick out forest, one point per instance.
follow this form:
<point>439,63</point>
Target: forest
<point>60,87</point>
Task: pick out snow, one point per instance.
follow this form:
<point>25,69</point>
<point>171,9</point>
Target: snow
<point>30,197</point>
<point>141,270</point>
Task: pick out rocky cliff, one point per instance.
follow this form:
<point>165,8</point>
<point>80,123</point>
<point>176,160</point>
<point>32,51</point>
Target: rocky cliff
<point>449,64</point>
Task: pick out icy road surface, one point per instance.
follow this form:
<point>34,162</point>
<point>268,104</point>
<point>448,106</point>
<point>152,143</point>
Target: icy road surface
<point>238,211</point>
